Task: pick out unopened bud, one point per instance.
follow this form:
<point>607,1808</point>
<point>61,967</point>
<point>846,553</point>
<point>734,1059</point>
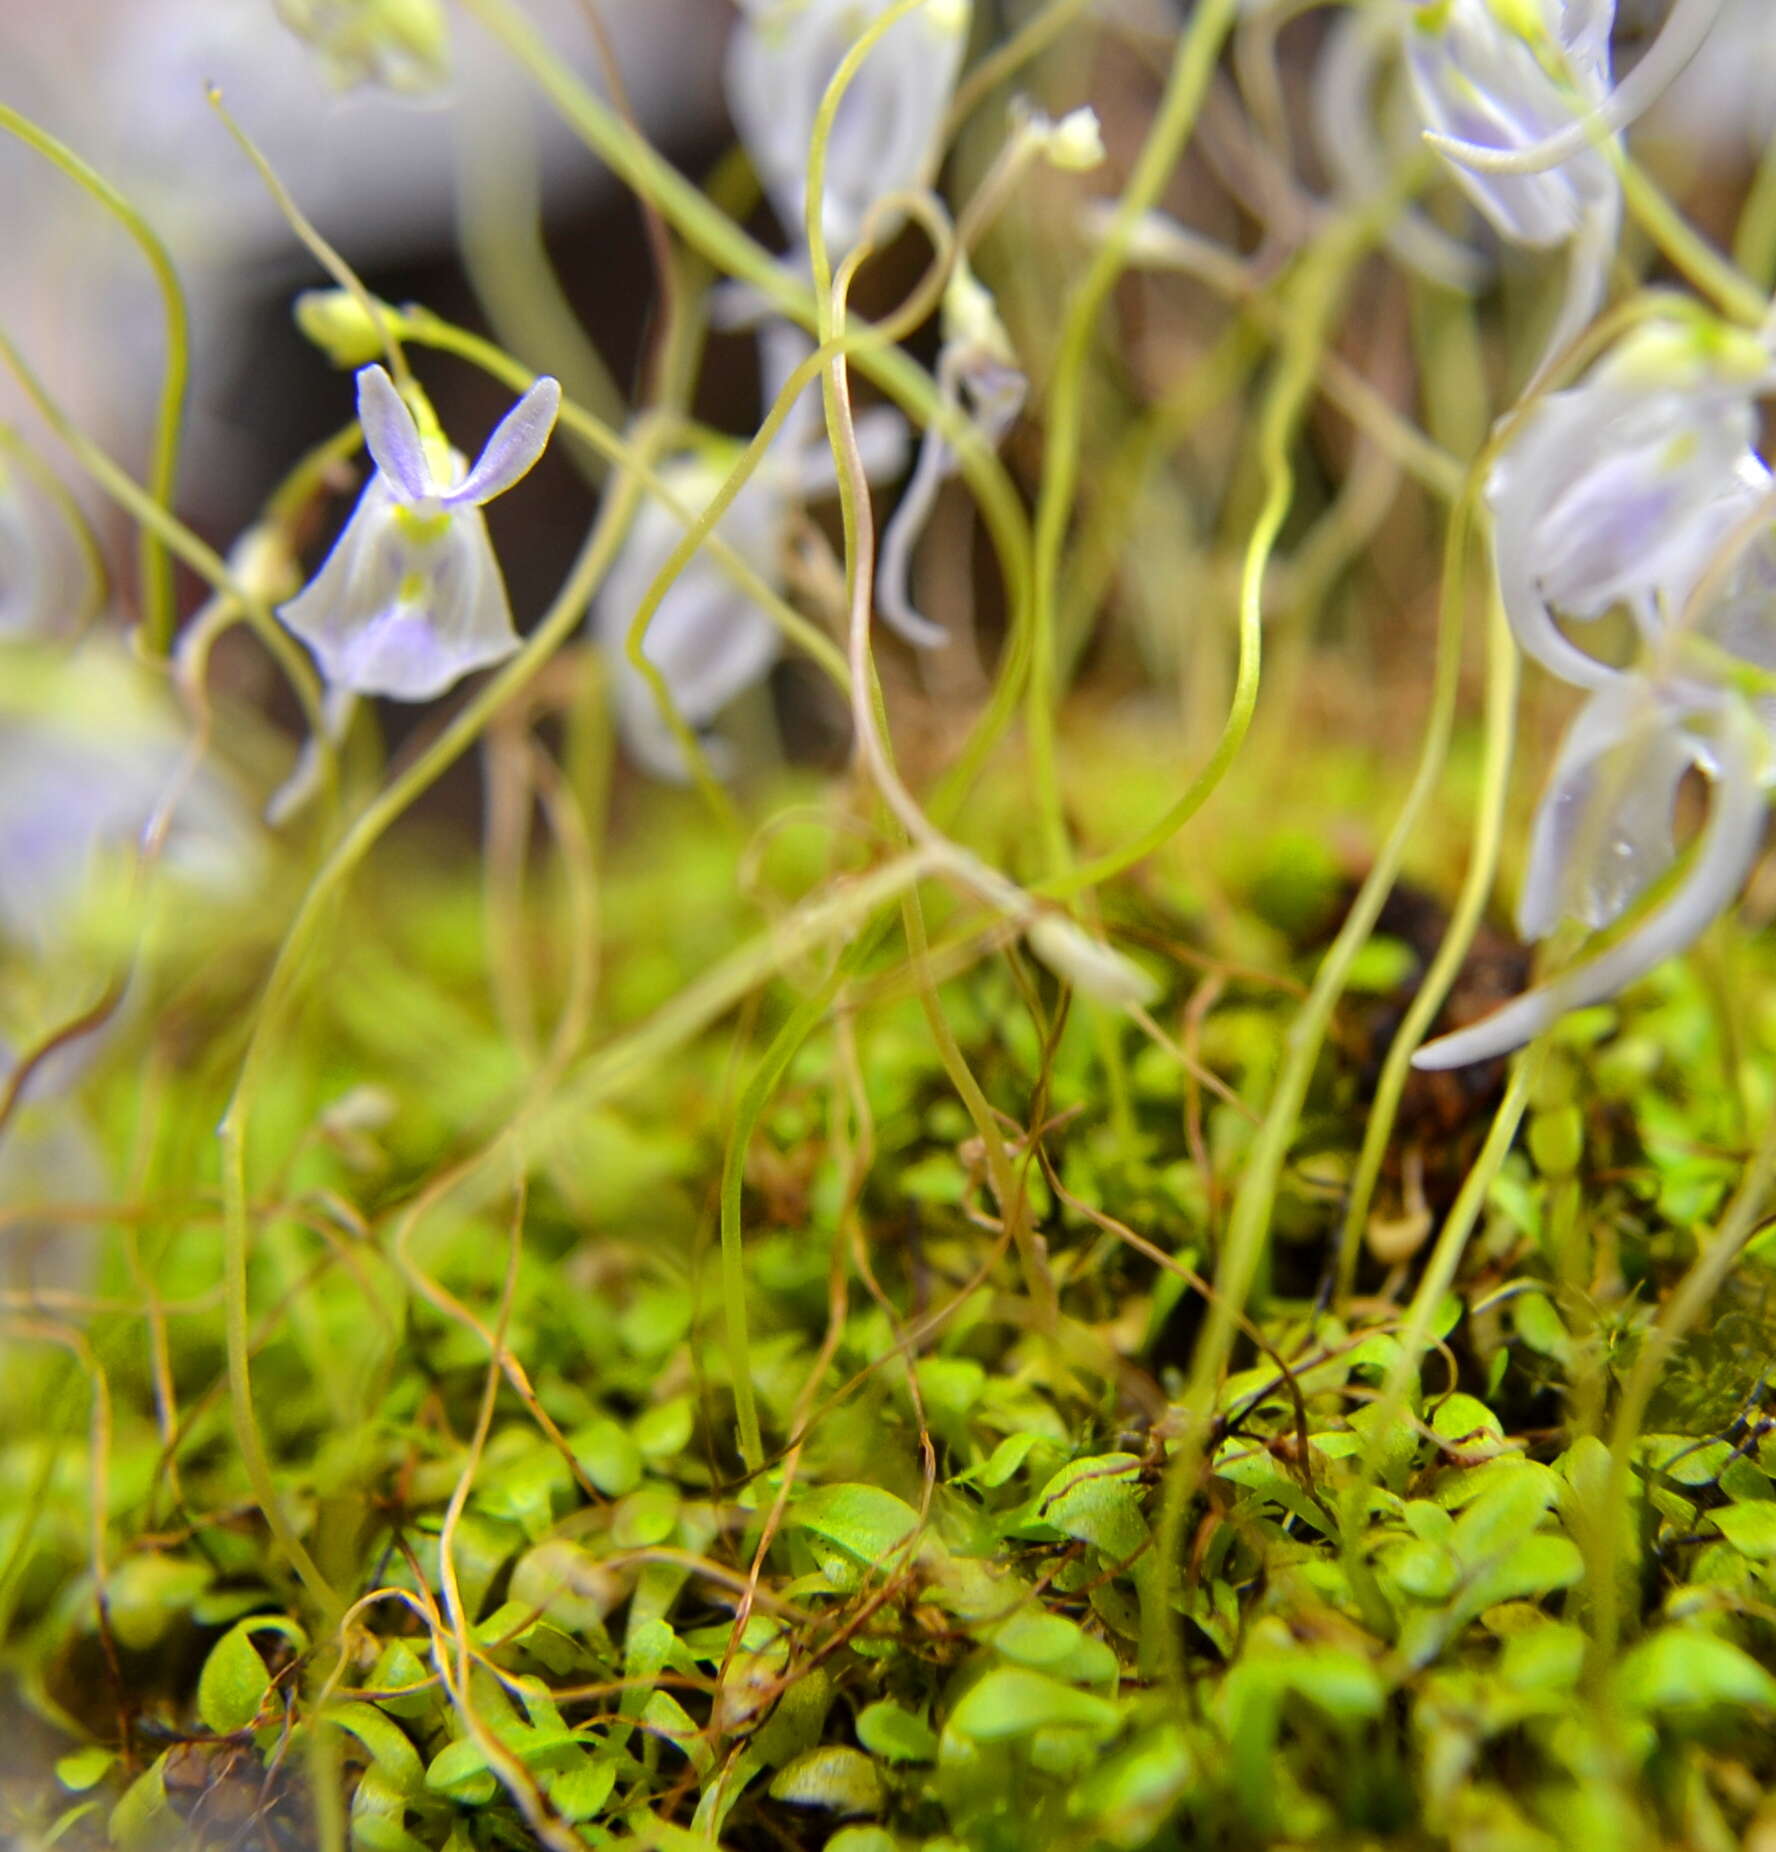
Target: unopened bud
<point>1075,143</point>
<point>263,565</point>
<point>340,324</point>
<point>400,44</point>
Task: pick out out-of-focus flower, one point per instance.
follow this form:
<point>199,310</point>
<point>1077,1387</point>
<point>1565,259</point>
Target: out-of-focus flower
<point>1493,81</point>
<point>708,637</point>
<point>1506,74</point>
<point>1604,835</point>
<point>91,756</point>
<point>1619,490</point>
<point>1640,488</point>
<point>44,587</point>
<point>887,136</point>
<point>411,598</point>
<point>1582,28</point>
<point>401,45</point>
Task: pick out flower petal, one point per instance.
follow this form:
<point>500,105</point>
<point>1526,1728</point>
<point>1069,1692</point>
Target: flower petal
<point>517,441</point>
<point>414,648</point>
<point>885,138</point>
<point>1724,856</point>
<point>402,613</point>
<point>1680,38</point>
<point>391,436</point>
<point>1479,82</point>
<point>359,577</point>
<point>1603,831</point>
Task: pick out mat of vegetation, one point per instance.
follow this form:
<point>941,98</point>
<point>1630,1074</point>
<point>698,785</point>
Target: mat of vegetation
<point>996,1579</point>
<point>866,1165</point>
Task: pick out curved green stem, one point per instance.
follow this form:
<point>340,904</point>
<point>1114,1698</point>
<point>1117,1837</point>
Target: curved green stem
<point>1318,287</point>
<point>174,537</point>
<point>1501,691</point>
<point>710,232</point>
<point>158,611</point>
<point>1193,66</point>
<point>1688,252</point>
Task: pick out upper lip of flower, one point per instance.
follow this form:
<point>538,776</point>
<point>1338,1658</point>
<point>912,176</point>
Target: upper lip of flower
<point>394,442</point>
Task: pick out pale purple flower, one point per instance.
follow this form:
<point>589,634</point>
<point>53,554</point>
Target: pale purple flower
<point>709,637</point>
<point>1479,77</point>
<point>411,598</point>
<point>1505,78</point>
<point>1577,33</point>
<point>91,756</point>
<point>1605,833</point>
<point>1618,491</point>
<point>887,136</point>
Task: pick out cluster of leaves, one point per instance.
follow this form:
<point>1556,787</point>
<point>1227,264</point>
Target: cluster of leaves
<point>978,1595</point>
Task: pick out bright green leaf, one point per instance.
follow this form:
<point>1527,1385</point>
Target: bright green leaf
<point>234,1685</point>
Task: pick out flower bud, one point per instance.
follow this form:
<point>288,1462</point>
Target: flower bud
<point>1075,144</point>
<point>339,324</point>
<point>402,45</point>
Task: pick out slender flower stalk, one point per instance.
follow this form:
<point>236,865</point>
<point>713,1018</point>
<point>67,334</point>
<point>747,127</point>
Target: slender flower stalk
<point>978,369</point>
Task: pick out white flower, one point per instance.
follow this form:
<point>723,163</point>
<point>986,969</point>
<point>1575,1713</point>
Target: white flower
<point>1506,74</point>
<point>401,45</point>
<point>708,637</point>
<point>90,756</point>
<point>1582,28</point>
<point>1605,833</point>
<point>411,598</point>
<point>1619,490</point>
<point>1640,488</point>
<point>887,135</point>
